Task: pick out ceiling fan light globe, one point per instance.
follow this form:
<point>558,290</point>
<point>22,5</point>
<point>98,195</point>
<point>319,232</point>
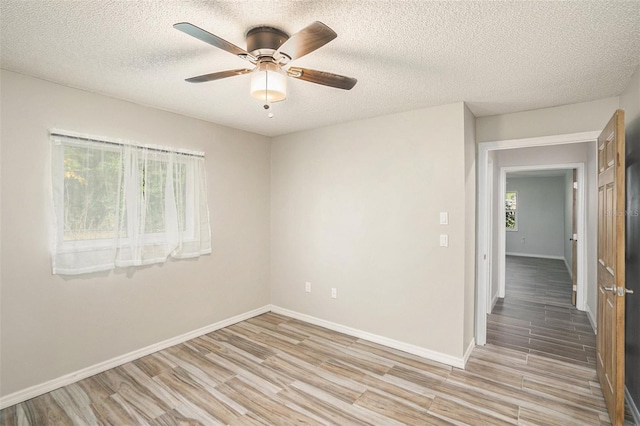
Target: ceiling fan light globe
<point>268,83</point>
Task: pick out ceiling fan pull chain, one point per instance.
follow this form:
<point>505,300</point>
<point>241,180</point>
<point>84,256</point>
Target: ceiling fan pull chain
<point>266,91</point>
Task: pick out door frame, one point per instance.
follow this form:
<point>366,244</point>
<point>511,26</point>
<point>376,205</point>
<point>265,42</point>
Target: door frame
<point>489,242</point>
<point>484,244</point>
<point>581,300</point>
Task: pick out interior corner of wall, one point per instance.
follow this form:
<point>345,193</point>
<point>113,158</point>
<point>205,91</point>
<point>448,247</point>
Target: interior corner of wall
<point>468,111</point>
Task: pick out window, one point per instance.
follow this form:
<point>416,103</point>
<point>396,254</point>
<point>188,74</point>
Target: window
<point>510,207</point>
<point>118,204</point>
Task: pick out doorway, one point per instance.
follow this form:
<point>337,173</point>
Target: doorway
<point>555,242</point>
<point>490,244</point>
<point>535,312</point>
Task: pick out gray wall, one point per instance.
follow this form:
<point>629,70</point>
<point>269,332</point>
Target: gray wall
<point>356,206</point>
<point>541,220</point>
<point>630,102</point>
<point>53,325</point>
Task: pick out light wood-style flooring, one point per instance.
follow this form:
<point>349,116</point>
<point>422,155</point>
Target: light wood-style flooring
<point>276,370</point>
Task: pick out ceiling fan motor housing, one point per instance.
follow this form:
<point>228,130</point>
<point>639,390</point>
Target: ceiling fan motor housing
<point>265,41</point>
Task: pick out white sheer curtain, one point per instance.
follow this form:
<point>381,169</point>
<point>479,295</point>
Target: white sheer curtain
<point>118,204</point>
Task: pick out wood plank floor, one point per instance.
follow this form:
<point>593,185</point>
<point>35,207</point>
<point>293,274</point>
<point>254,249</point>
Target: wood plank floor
<point>276,370</point>
<point>536,315</point>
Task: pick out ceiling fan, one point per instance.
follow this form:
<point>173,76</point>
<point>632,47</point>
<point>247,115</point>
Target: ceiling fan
<point>270,50</point>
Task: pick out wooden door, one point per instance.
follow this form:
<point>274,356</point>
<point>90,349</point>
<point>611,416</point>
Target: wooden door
<point>611,264</point>
<point>574,242</point>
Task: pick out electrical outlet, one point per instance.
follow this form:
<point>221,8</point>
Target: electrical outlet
<point>334,293</point>
<point>307,287</point>
<point>444,240</point>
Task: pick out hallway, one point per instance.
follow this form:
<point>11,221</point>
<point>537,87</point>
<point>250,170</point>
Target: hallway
<point>537,317</point>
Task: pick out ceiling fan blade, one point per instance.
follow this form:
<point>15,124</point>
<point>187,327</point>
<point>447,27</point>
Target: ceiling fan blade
<point>321,77</point>
<point>212,39</point>
<point>217,75</point>
<point>307,40</point>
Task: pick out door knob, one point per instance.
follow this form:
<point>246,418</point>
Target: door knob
<point>622,291</point>
<point>611,289</point>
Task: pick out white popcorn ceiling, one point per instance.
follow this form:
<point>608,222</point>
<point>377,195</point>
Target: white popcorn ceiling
<point>499,57</point>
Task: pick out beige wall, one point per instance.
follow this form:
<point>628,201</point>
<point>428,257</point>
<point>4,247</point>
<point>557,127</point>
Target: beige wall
<point>470,156</point>
<point>353,206</point>
<point>574,118</point>
<point>630,102</point>
<point>55,325</point>
<point>356,207</point>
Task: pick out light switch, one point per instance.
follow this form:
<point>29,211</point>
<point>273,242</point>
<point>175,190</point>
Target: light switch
<point>444,218</point>
<point>444,240</point>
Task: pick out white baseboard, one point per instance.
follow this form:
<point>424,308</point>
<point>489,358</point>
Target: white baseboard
<point>42,388</point>
<point>592,318</point>
<point>632,406</point>
<point>36,390</point>
<point>539,256</point>
<point>467,353</point>
<point>494,300</point>
<point>453,361</point>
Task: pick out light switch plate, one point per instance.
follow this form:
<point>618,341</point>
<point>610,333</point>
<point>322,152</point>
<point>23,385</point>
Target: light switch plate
<point>444,218</point>
<point>444,240</point>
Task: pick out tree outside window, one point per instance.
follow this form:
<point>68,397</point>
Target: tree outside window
<point>121,204</point>
<point>510,207</point>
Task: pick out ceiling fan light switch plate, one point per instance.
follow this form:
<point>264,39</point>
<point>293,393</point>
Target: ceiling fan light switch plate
<point>444,218</point>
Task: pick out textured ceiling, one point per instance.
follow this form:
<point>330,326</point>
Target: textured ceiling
<point>498,57</point>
